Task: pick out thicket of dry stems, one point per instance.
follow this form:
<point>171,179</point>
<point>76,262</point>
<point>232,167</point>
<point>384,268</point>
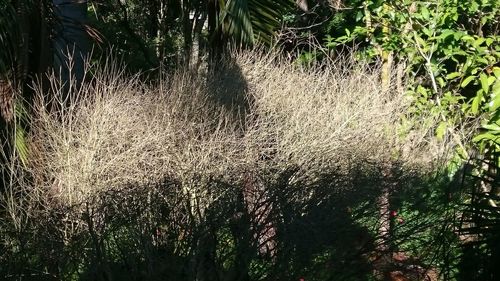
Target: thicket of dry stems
<point>122,133</point>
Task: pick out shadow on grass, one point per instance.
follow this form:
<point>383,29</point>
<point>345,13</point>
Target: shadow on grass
<point>325,229</point>
<point>278,225</point>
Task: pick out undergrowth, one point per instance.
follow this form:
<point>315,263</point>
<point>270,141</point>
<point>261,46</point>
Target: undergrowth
<point>251,169</point>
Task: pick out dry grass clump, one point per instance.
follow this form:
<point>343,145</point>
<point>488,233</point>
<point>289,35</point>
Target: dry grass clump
<point>119,132</point>
<point>198,171</point>
<point>125,133</point>
<point>325,115</point>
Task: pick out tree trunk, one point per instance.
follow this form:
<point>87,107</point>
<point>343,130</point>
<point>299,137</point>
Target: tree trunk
<point>71,43</point>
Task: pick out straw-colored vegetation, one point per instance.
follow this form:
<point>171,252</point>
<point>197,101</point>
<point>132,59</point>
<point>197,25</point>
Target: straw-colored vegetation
<point>119,132</point>
<point>249,140</point>
<point>121,145</point>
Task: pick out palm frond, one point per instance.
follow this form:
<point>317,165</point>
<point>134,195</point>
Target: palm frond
<point>248,21</point>
<point>235,20</point>
<point>267,16</point>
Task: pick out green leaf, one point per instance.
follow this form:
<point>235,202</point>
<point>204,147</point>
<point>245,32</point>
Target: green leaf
<point>420,41</point>
<point>441,82</point>
<point>425,13</point>
<point>445,33</point>
<point>491,80</point>
<point>479,41</point>
<point>453,75</point>
<point>475,70</point>
<point>476,102</point>
<point>441,130</point>
<point>467,81</point>
<point>359,16</point>
<point>496,72</point>
<point>467,38</point>
<point>492,128</point>
<point>485,136</point>
<point>495,91</point>
<point>483,78</point>
<point>494,104</point>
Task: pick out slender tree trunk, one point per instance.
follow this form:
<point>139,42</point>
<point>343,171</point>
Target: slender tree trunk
<point>215,35</point>
<point>387,56</point>
<point>187,26</point>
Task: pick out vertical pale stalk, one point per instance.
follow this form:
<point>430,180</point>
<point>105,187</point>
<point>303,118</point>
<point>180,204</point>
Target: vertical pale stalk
<point>387,56</point>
